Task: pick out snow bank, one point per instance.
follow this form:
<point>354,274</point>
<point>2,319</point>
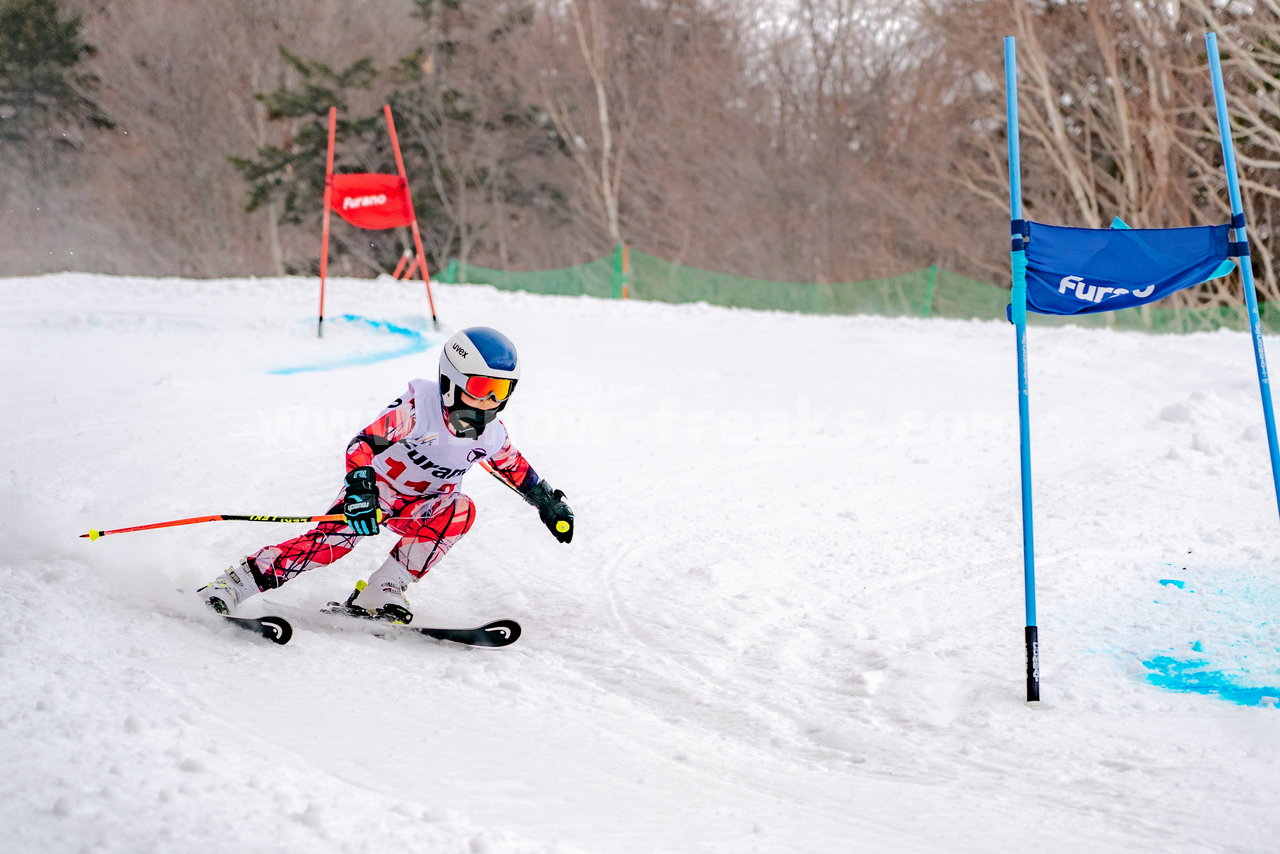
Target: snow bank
<point>790,620</point>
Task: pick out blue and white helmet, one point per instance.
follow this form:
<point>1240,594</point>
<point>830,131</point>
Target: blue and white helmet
<point>483,363</point>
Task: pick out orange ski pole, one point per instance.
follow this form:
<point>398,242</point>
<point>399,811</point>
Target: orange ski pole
<point>222,517</point>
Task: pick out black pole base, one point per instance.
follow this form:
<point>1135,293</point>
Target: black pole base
<point>1033,664</point>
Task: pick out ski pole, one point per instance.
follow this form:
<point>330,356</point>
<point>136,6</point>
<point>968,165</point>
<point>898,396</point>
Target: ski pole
<point>223,517</point>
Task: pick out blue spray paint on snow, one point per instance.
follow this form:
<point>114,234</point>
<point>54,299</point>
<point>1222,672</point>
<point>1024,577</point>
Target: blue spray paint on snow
<point>1236,679</point>
<point>412,341</point>
<point>1196,676</point>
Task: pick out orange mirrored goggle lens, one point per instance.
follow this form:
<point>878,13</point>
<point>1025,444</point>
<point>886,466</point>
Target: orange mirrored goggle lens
<point>482,387</point>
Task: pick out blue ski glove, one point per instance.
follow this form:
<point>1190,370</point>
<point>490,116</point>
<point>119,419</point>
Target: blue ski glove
<point>361,503</point>
<point>553,510</point>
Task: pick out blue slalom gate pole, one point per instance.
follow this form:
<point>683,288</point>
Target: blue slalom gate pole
<point>1018,314</point>
<point>1246,264</point>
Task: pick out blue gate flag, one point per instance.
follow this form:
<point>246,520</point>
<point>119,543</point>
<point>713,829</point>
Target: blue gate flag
<point>1087,270</point>
<point>1226,268</point>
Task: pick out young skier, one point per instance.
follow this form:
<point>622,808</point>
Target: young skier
<point>409,463</point>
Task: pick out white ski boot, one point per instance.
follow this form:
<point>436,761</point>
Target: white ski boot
<point>383,596</point>
<point>229,589</point>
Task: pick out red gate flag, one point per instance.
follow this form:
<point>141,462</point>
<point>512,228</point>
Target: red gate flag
<point>371,200</point>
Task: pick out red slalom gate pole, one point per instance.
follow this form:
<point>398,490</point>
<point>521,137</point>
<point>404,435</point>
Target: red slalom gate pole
<point>417,235</point>
<point>404,259</point>
<point>328,198</point>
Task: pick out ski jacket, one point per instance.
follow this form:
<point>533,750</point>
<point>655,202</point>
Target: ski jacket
<point>412,449</point>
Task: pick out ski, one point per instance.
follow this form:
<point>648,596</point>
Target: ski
<point>497,633</point>
<point>274,629</point>
<point>494,634</point>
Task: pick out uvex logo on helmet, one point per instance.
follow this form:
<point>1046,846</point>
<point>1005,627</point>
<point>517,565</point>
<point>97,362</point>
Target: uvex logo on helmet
<point>1078,288</point>
<point>363,201</point>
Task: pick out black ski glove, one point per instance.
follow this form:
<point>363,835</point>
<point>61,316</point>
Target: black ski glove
<point>553,510</point>
<point>361,503</point>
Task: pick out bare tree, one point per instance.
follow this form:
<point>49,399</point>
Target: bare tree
<point>591,143</point>
<point>178,77</point>
<point>818,140</point>
<point>1116,114</point>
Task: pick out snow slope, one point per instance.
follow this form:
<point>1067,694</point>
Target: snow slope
<point>791,619</point>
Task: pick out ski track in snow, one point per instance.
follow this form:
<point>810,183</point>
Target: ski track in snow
<point>790,620</point>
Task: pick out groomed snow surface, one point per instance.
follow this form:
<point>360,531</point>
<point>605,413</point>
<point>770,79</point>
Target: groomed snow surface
<point>790,621</point>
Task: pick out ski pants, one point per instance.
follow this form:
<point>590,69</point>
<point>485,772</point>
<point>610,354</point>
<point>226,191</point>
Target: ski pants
<point>428,526</point>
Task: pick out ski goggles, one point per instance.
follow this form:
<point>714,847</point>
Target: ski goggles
<point>494,387</point>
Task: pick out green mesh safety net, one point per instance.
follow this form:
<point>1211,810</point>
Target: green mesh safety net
<point>930,292</point>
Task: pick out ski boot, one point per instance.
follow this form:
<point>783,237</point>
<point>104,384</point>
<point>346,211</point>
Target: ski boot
<point>382,598</point>
<point>229,589</point>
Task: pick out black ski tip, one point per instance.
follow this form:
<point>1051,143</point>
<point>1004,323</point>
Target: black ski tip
<point>274,629</point>
<point>501,632</point>
<point>497,633</point>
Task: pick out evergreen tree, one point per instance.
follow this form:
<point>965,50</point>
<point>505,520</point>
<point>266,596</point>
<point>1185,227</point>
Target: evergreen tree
<point>464,129</point>
<point>43,90</point>
<point>293,172</point>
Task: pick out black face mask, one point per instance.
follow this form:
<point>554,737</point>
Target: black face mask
<point>467,422</point>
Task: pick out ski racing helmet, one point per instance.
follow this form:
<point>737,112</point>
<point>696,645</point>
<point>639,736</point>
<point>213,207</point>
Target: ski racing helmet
<point>482,362</point>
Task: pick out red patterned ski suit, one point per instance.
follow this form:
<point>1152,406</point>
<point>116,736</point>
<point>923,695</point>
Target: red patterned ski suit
<point>419,463</point>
